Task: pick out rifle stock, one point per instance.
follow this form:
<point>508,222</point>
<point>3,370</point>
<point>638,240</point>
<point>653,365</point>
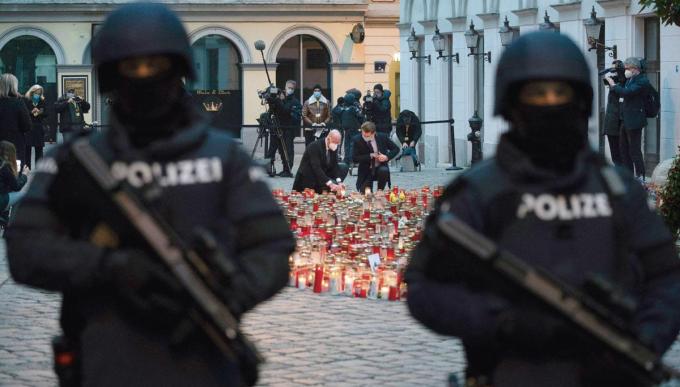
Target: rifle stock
<point>583,312</point>
<point>192,271</point>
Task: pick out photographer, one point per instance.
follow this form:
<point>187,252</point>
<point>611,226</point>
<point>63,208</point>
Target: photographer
<point>316,112</point>
<point>633,115</point>
<point>287,109</point>
<point>408,132</point>
<point>612,118</point>
<point>71,108</point>
<point>378,109</point>
<point>349,120</point>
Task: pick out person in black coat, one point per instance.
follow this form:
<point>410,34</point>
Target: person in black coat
<point>372,151</point>
<point>634,93</point>
<point>14,118</point>
<point>517,200</point>
<point>409,132</point>
<point>71,109</point>
<point>612,117</point>
<point>123,309</point>
<point>35,102</point>
<point>319,168</point>
<point>10,178</point>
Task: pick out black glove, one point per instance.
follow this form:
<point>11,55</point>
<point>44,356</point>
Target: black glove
<point>144,287</point>
<point>529,331</point>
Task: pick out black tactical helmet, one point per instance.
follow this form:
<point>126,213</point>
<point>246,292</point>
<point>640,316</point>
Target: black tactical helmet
<point>542,56</point>
<point>140,29</point>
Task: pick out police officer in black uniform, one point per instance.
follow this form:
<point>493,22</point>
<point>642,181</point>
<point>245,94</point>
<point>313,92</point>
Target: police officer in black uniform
<point>544,198</point>
<point>120,305</point>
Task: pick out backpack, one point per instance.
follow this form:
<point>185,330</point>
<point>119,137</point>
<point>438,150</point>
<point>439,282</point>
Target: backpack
<point>652,105</point>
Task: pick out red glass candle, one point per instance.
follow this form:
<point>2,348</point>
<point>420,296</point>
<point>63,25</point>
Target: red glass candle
<point>318,279</point>
<point>390,253</point>
<point>393,293</point>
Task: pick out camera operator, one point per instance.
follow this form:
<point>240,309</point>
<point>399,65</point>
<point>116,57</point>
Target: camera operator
<point>612,118</point>
<point>316,112</point>
<point>71,108</point>
<point>634,91</point>
<point>288,111</point>
<point>378,109</point>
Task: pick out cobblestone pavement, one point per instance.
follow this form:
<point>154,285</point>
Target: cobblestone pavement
<point>308,339</point>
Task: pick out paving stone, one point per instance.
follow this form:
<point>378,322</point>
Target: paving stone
<point>308,339</point>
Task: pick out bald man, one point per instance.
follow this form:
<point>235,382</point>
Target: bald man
<point>319,168</point>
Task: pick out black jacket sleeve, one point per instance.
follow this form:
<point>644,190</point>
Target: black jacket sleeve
<point>60,105</point>
<point>13,183</point>
<point>658,316</point>
<point>24,117</point>
<point>359,155</point>
<point>392,148</point>
<point>40,251</point>
<point>438,296</point>
<point>263,238</point>
<point>84,106</point>
<point>315,161</point>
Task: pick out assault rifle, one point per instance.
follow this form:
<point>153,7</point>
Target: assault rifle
<point>587,312</point>
<point>201,271</point>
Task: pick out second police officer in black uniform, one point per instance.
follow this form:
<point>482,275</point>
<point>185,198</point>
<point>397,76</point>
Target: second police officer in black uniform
<point>543,198</point>
<point>119,304</point>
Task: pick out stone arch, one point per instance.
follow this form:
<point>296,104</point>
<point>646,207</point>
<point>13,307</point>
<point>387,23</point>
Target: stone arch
<point>231,35</point>
<point>87,54</point>
<point>295,30</point>
<point>38,33</point>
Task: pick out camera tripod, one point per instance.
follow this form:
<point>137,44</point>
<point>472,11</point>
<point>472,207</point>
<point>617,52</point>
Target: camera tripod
<point>270,125</point>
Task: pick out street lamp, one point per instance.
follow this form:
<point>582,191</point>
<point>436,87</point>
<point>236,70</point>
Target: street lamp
<point>439,42</point>
<point>475,137</point>
<point>413,44</point>
<point>593,30</point>
<point>472,41</point>
<point>547,25</point>
<point>507,33</point>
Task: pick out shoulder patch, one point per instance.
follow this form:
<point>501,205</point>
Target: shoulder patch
<point>256,174</point>
<point>47,165</point>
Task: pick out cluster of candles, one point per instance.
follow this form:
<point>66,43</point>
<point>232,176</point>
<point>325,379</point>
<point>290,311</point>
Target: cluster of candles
<point>355,245</point>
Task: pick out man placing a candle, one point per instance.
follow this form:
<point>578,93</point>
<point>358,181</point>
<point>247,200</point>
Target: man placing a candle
<point>372,151</point>
<point>319,168</point>
<point>556,205</point>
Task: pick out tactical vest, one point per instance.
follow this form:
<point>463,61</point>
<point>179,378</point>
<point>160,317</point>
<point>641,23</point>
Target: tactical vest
<point>571,231</point>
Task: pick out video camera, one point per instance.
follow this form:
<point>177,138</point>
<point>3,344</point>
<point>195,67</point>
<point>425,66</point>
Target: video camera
<point>269,94</point>
<point>368,97</point>
<point>618,73</point>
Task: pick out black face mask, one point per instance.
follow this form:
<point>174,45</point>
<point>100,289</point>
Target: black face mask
<point>147,100</point>
<point>147,107</point>
<point>551,136</point>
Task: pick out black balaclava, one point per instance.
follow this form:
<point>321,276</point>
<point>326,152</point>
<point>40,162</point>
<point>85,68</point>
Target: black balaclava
<point>151,108</point>
<point>551,136</point>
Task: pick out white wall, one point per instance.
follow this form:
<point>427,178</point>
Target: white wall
<point>623,27</point>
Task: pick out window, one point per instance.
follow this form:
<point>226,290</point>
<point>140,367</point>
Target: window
<point>306,60</point>
<point>32,61</point>
<point>217,88</point>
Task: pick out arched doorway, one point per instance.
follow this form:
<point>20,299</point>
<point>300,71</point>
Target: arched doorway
<point>306,60</point>
<point>32,61</point>
<point>217,88</point>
